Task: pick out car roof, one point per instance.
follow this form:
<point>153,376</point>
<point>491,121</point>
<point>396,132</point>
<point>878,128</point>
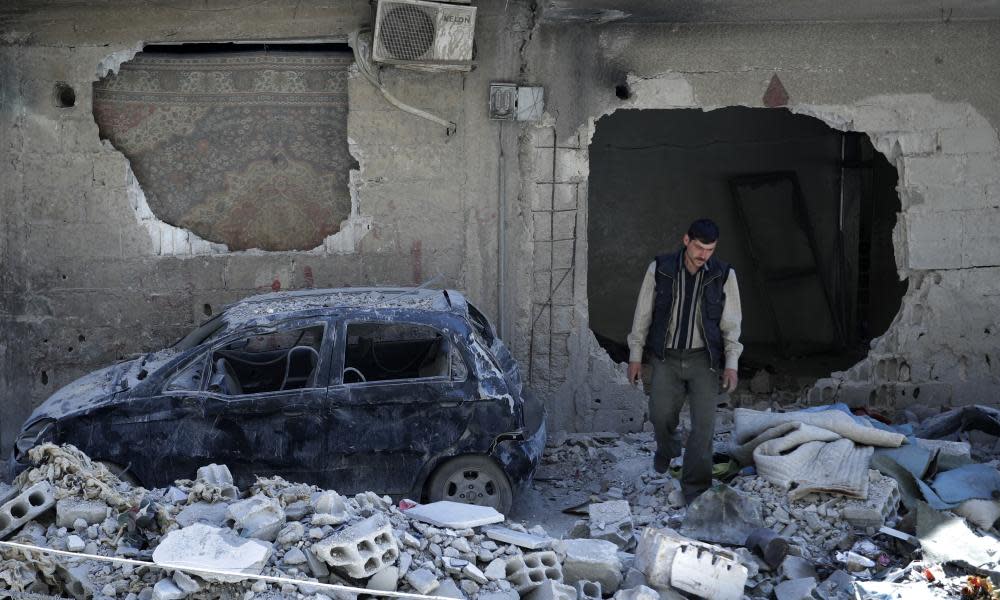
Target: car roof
<point>281,304</point>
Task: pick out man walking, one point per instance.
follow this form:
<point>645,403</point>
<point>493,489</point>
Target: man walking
<point>688,317</point>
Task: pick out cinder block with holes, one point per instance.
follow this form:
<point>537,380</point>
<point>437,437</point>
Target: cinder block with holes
<point>360,550</point>
<point>27,505</point>
<point>879,508</point>
<point>708,572</point>
<point>588,590</point>
<point>553,590</point>
<point>528,571</point>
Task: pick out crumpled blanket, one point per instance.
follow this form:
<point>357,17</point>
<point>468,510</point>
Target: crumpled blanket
<point>809,451</point>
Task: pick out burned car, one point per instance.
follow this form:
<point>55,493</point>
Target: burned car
<point>400,391</point>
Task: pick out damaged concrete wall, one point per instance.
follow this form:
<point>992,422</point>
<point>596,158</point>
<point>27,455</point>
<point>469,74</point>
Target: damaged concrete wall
<point>926,94</point>
<point>90,275</point>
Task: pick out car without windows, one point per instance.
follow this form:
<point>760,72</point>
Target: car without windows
<point>400,391</point>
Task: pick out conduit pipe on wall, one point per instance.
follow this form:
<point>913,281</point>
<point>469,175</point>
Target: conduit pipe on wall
<point>365,69</point>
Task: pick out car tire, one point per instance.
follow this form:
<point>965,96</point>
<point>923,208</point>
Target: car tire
<point>471,479</point>
<point>120,473</point>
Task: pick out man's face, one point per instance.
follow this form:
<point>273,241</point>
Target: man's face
<point>697,253</point>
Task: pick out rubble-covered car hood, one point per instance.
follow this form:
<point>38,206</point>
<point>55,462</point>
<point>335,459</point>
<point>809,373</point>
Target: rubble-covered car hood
<point>99,388</point>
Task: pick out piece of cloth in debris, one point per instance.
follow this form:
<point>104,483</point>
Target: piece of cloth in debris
<point>812,451</point>
<point>982,418</point>
<point>910,464</point>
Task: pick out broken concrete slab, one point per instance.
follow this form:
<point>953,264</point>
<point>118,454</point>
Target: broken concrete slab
<point>448,589</point>
<point>591,560</point>
<point>796,567</point>
<point>386,580</point>
<point>203,512</point>
<point>206,547</point>
<point>422,581</point>
<point>166,589</point>
<point>612,521</point>
<point>795,589</point>
<point>838,586</point>
<point>723,515</point>
<point>257,517</point>
<point>454,515</point>
<point>517,538</point>
<point>947,539</point>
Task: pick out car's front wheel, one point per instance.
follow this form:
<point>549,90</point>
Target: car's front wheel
<point>471,480</point>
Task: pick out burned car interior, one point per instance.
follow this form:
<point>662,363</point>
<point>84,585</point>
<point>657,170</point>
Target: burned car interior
<point>267,362</point>
<point>387,351</point>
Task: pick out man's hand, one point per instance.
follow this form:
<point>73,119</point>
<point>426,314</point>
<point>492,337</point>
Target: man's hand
<point>729,380</point>
<point>634,372</point>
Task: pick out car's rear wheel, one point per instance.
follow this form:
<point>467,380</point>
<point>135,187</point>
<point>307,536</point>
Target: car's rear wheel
<point>471,480</point>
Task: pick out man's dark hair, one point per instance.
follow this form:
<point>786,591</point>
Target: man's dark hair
<point>704,230</point>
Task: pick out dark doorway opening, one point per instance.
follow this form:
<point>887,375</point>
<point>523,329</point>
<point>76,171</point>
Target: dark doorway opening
<point>806,214</point>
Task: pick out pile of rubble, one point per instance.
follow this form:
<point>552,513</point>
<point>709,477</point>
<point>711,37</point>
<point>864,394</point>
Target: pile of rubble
<point>634,538</point>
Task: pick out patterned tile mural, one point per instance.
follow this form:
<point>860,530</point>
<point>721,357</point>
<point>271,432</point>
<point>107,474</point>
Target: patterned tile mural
<point>248,149</point>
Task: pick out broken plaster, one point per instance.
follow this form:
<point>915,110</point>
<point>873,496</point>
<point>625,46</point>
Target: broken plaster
<point>947,157</point>
<point>170,240</point>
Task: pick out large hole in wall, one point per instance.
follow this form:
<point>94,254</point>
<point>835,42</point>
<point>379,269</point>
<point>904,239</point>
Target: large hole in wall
<point>244,145</point>
<point>806,215</point>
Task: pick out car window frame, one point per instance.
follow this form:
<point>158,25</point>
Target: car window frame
<point>339,360</point>
<point>327,344</point>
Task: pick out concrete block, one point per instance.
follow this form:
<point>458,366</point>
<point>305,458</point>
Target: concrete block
<point>215,474</point>
<point>517,538</point>
<point>295,556</point>
<point>529,571</point>
<point>612,521</point>
<point>981,246</point>
<point>592,560</point>
<point>166,589</point>
<point>186,583</point>
<point>951,197</point>
<point>966,140</point>
<point>317,567</point>
<point>633,578</point>
<point>588,590</point>
<point>202,512</point>
<point>257,517</point>
<point>723,515</point>
<point>708,573</point>
<point>422,581</point>
<point>27,505</point>
<point>448,589</point>
<point>68,510</point>
<point>553,590</point>
<point>386,580</point>
<point>330,508</point>
<point>796,567</point>
<point>934,240</point>
<point>881,505</point>
<point>361,549</point>
<point>454,515</point>
<point>496,570</point>
<point>214,548</point>
<point>75,543</point>
<point>932,170</point>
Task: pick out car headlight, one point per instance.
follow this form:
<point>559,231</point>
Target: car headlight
<point>38,433</point>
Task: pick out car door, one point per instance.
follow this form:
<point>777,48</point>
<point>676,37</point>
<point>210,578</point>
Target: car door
<point>411,406</point>
<point>269,428</point>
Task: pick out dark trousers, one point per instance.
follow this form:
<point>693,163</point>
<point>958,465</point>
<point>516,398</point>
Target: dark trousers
<point>685,376</point>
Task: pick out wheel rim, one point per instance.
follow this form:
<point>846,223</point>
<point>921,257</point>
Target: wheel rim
<point>472,486</point>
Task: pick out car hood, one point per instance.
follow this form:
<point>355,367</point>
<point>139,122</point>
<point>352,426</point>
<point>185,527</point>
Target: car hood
<point>99,387</point>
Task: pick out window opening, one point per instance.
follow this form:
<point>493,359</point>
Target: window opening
<point>390,351</point>
<point>268,362</point>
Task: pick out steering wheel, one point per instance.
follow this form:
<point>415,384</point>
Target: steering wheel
<point>356,372</point>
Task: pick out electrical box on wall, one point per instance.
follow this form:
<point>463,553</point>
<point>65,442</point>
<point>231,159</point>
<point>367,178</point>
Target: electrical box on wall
<point>510,102</point>
<point>424,35</point>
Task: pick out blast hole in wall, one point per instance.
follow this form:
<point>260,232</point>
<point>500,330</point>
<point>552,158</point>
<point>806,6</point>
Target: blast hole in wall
<point>64,94</point>
<point>207,309</point>
<point>806,215</point>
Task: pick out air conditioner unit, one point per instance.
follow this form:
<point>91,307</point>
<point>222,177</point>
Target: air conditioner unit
<point>424,35</point>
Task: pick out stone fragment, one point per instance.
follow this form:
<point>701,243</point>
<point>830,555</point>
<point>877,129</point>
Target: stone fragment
<point>213,548</point>
<point>633,578</point>
<point>612,521</point>
<point>795,589</point>
<point>422,581</point>
<point>293,557</point>
<point>317,567</point>
<point>496,570</point>
<point>838,586</point>
<point>454,514</point>
<point>448,589</point>
<point>362,549</point>
<point>219,476</point>
<point>517,538</point>
<point>796,567</point>
<point>297,510</point>
<point>386,580</point>
<point>640,592</point>
<point>165,589</point>
<point>553,590</point>
<point>258,517</point>
<point>203,512</point>
<point>69,509</point>
<point>185,582</point>
<point>526,572</point>
<point>592,560</point>
<point>291,533</point>
<point>472,572</point>
<point>723,515</point>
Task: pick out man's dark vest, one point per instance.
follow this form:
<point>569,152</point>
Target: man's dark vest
<point>713,299</point>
